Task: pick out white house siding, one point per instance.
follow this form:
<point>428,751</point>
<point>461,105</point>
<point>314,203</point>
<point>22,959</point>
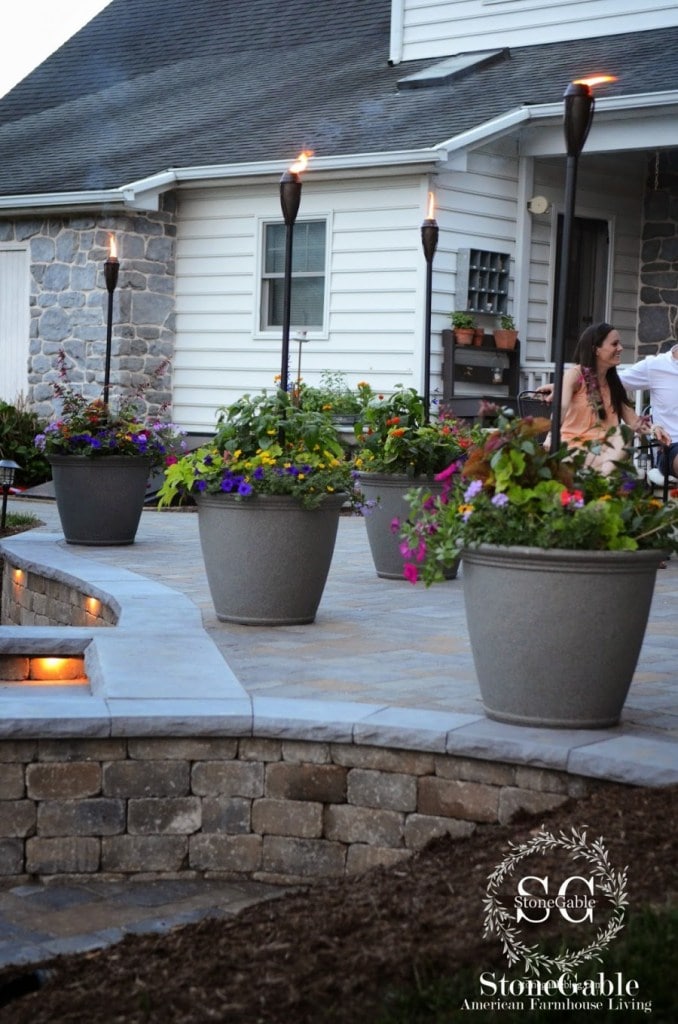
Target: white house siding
<point>477,209</point>
<point>375,290</point>
<point>14,322</point>
<point>438,28</point>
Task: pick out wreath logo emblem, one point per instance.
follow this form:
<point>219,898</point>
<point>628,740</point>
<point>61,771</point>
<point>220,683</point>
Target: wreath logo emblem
<point>501,921</point>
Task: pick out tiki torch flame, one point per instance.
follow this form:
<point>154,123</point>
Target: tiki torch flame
<point>431,215</point>
<point>595,80</point>
<point>300,163</point>
<point>112,248</point>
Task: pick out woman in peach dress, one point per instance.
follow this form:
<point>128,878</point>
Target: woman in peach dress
<point>594,401</point>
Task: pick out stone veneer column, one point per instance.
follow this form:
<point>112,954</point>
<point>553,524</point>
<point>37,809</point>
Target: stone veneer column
<point>658,301</point>
<point>69,304</point>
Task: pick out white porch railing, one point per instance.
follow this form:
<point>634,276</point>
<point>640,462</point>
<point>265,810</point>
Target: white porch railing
<point>533,376</point>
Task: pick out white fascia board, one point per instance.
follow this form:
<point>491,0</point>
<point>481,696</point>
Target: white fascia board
<point>488,131</point>
<point>215,174</point>
<point>613,115</point>
<point>73,200</point>
<point>144,194</point>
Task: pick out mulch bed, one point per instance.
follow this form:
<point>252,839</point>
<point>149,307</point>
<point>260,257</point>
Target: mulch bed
<point>328,953</point>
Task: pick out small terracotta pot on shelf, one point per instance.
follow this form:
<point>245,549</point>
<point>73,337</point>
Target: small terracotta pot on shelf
<point>463,335</point>
<point>504,339</point>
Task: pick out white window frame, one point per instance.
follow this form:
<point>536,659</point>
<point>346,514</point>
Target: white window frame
<point>265,332</point>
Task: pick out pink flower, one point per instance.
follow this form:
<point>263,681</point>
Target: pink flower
<point>410,572</point>
<point>445,474</point>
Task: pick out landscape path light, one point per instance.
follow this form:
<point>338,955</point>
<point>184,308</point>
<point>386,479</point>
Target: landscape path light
<point>7,470</point>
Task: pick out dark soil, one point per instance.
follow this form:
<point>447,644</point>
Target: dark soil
<point>329,953</point>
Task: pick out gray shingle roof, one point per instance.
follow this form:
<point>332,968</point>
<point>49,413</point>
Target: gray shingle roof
<point>154,84</point>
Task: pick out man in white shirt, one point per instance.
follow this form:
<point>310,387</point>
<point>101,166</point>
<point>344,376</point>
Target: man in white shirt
<point>659,375</point>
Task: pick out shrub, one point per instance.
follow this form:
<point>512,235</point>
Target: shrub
<point>18,428</point>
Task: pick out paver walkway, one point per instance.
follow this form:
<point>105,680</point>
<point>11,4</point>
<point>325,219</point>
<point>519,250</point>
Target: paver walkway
<point>374,641</point>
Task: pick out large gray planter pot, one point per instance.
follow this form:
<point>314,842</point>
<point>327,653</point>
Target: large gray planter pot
<point>384,493</point>
<point>266,557</point>
<point>99,500</point>
<point>556,635</point>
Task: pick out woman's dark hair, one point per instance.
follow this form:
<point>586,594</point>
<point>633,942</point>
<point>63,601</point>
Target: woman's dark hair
<point>585,354</point>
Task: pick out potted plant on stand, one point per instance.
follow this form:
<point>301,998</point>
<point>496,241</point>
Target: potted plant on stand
<point>559,569</point>
<point>398,449</point>
<point>101,459</point>
<point>506,335</point>
<point>269,491</point>
<point>464,327</point>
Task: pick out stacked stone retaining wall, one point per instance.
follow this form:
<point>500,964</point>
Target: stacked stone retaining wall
<point>267,809</point>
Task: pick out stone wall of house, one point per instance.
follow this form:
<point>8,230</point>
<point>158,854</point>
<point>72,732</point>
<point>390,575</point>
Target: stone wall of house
<point>268,809</point>
<point>69,304</point>
<point>658,299</point>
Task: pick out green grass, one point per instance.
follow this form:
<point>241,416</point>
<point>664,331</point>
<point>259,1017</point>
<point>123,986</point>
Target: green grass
<point>644,952</point>
<point>16,522</point>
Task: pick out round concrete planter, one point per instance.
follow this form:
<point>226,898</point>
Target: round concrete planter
<point>266,557</point>
<point>556,635</point>
<point>99,500</point>
<point>385,493</point>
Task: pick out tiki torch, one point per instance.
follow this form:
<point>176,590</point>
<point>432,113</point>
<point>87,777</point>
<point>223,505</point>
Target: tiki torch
<point>290,197</point>
<point>429,242</point>
<point>111,268</point>
<point>578,117</point>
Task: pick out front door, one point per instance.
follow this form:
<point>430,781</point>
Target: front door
<point>587,278</point>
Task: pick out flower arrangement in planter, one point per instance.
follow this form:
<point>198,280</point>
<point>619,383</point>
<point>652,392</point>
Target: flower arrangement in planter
<point>101,459</point>
<point>394,437</point>
<point>559,564</point>
<point>95,430</point>
<point>510,490</point>
<point>334,397</point>
<point>269,491</point>
<point>397,448</point>
<point>265,445</point>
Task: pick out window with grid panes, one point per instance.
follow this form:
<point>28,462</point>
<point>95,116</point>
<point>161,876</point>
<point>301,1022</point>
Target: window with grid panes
<point>307,293</point>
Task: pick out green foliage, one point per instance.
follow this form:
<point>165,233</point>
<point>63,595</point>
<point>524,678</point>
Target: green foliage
<point>264,445</point>
<point>511,491</point>
<point>18,428</point>
<point>461,320</point>
<point>95,429</point>
<point>506,322</point>
<point>333,396</point>
<point>395,438</point>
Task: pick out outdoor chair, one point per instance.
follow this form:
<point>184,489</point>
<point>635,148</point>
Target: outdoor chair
<point>531,403</point>
<point>646,461</point>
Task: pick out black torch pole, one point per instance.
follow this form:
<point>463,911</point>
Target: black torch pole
<point>290,197</point>
<point>579,105</point>
<point>429,241</point>
<point>111,269</point>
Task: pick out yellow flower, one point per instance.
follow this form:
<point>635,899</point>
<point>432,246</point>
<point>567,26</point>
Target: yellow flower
<point>464,509</point>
